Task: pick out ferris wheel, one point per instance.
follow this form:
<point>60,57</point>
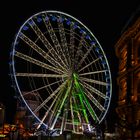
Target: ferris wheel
<point>59,63</point>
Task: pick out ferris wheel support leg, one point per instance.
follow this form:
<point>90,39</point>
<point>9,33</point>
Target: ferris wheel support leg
<point>62,104</point>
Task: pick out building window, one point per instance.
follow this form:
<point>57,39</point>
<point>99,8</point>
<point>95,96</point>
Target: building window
<point>138,53</point>
<point>123,60</point>
<point>138,90</point>
<point>123,91</point>
<point>138,87</point>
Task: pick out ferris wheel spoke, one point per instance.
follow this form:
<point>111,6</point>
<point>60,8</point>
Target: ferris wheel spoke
<point>81,97</point>
<point>64,41</point>
<point>88,106</point>
<point>89,64</point>
<point>82,107</point>
<point>64,117</point>
<point>43,87</point>
<point>37,62</point>
<point>77,110</point>
<point>72,113</point>
<point>49,109</point>
<point>54,39</point>
<point>56,106</point>
<point>46,43</point>
<point>95,102</point>
<point>41,75</point>
<point>40,51</point>
<point>93,90</point>
<point>62,104</point>
<point>94,81</point>
<point>79,50</point>
<point>84,102</point>
<point>72,41</point>
<point>94,72</point>
<point>50,96</point>
<point>85,56</point>
<point>91,111</point>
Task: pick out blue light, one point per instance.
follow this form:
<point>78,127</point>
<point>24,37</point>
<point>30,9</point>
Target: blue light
<point>87,37</point>
<point>81,31</point>
<point>97,49</point>
<point>60,19</point>
<point>20,34</point>
<point>106,103</point>
<point>11,53</point>
<point>17,42</point>
<point>105,66</point>
<point>93,43</point>
<point>103,62</point>
<point>100,56</point>
<point>68,22</point>
<point>31,22</point>
<point>46,18</point>
<point>108,79</point>
<point>75,26</point>
<point>10,63</point>
<point>108,94</point>
<point>108,88</point>
<point>54,18</point>
<point>25,28</point>
<point>39,19</point>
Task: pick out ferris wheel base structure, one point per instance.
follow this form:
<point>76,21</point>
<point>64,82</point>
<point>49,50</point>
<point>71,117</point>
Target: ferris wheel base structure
<point>58,62</point>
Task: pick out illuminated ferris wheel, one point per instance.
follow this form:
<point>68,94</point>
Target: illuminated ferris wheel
<point>59,62</point>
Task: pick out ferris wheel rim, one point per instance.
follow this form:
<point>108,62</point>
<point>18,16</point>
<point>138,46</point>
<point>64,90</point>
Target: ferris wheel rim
<point>13,53</point>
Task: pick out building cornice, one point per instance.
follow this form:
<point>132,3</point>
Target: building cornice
<point>129,34</point>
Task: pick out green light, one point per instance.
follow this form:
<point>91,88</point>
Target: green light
<point>2,136</point>
<point>83,97</point>
<point>80,92</point>
<point>76,122</point>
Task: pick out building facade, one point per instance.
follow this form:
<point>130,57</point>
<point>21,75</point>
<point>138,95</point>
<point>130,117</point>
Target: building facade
<point>2,115</point>
<point>23,115</point>
<point>128,52</point>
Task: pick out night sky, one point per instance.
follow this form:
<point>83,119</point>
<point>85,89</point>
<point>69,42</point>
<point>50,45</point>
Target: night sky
<point>105,20</point>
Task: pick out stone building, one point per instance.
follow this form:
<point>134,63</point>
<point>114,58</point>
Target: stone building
<point>128,53</point>
<point>2,115</point>
<point>23,115</point>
